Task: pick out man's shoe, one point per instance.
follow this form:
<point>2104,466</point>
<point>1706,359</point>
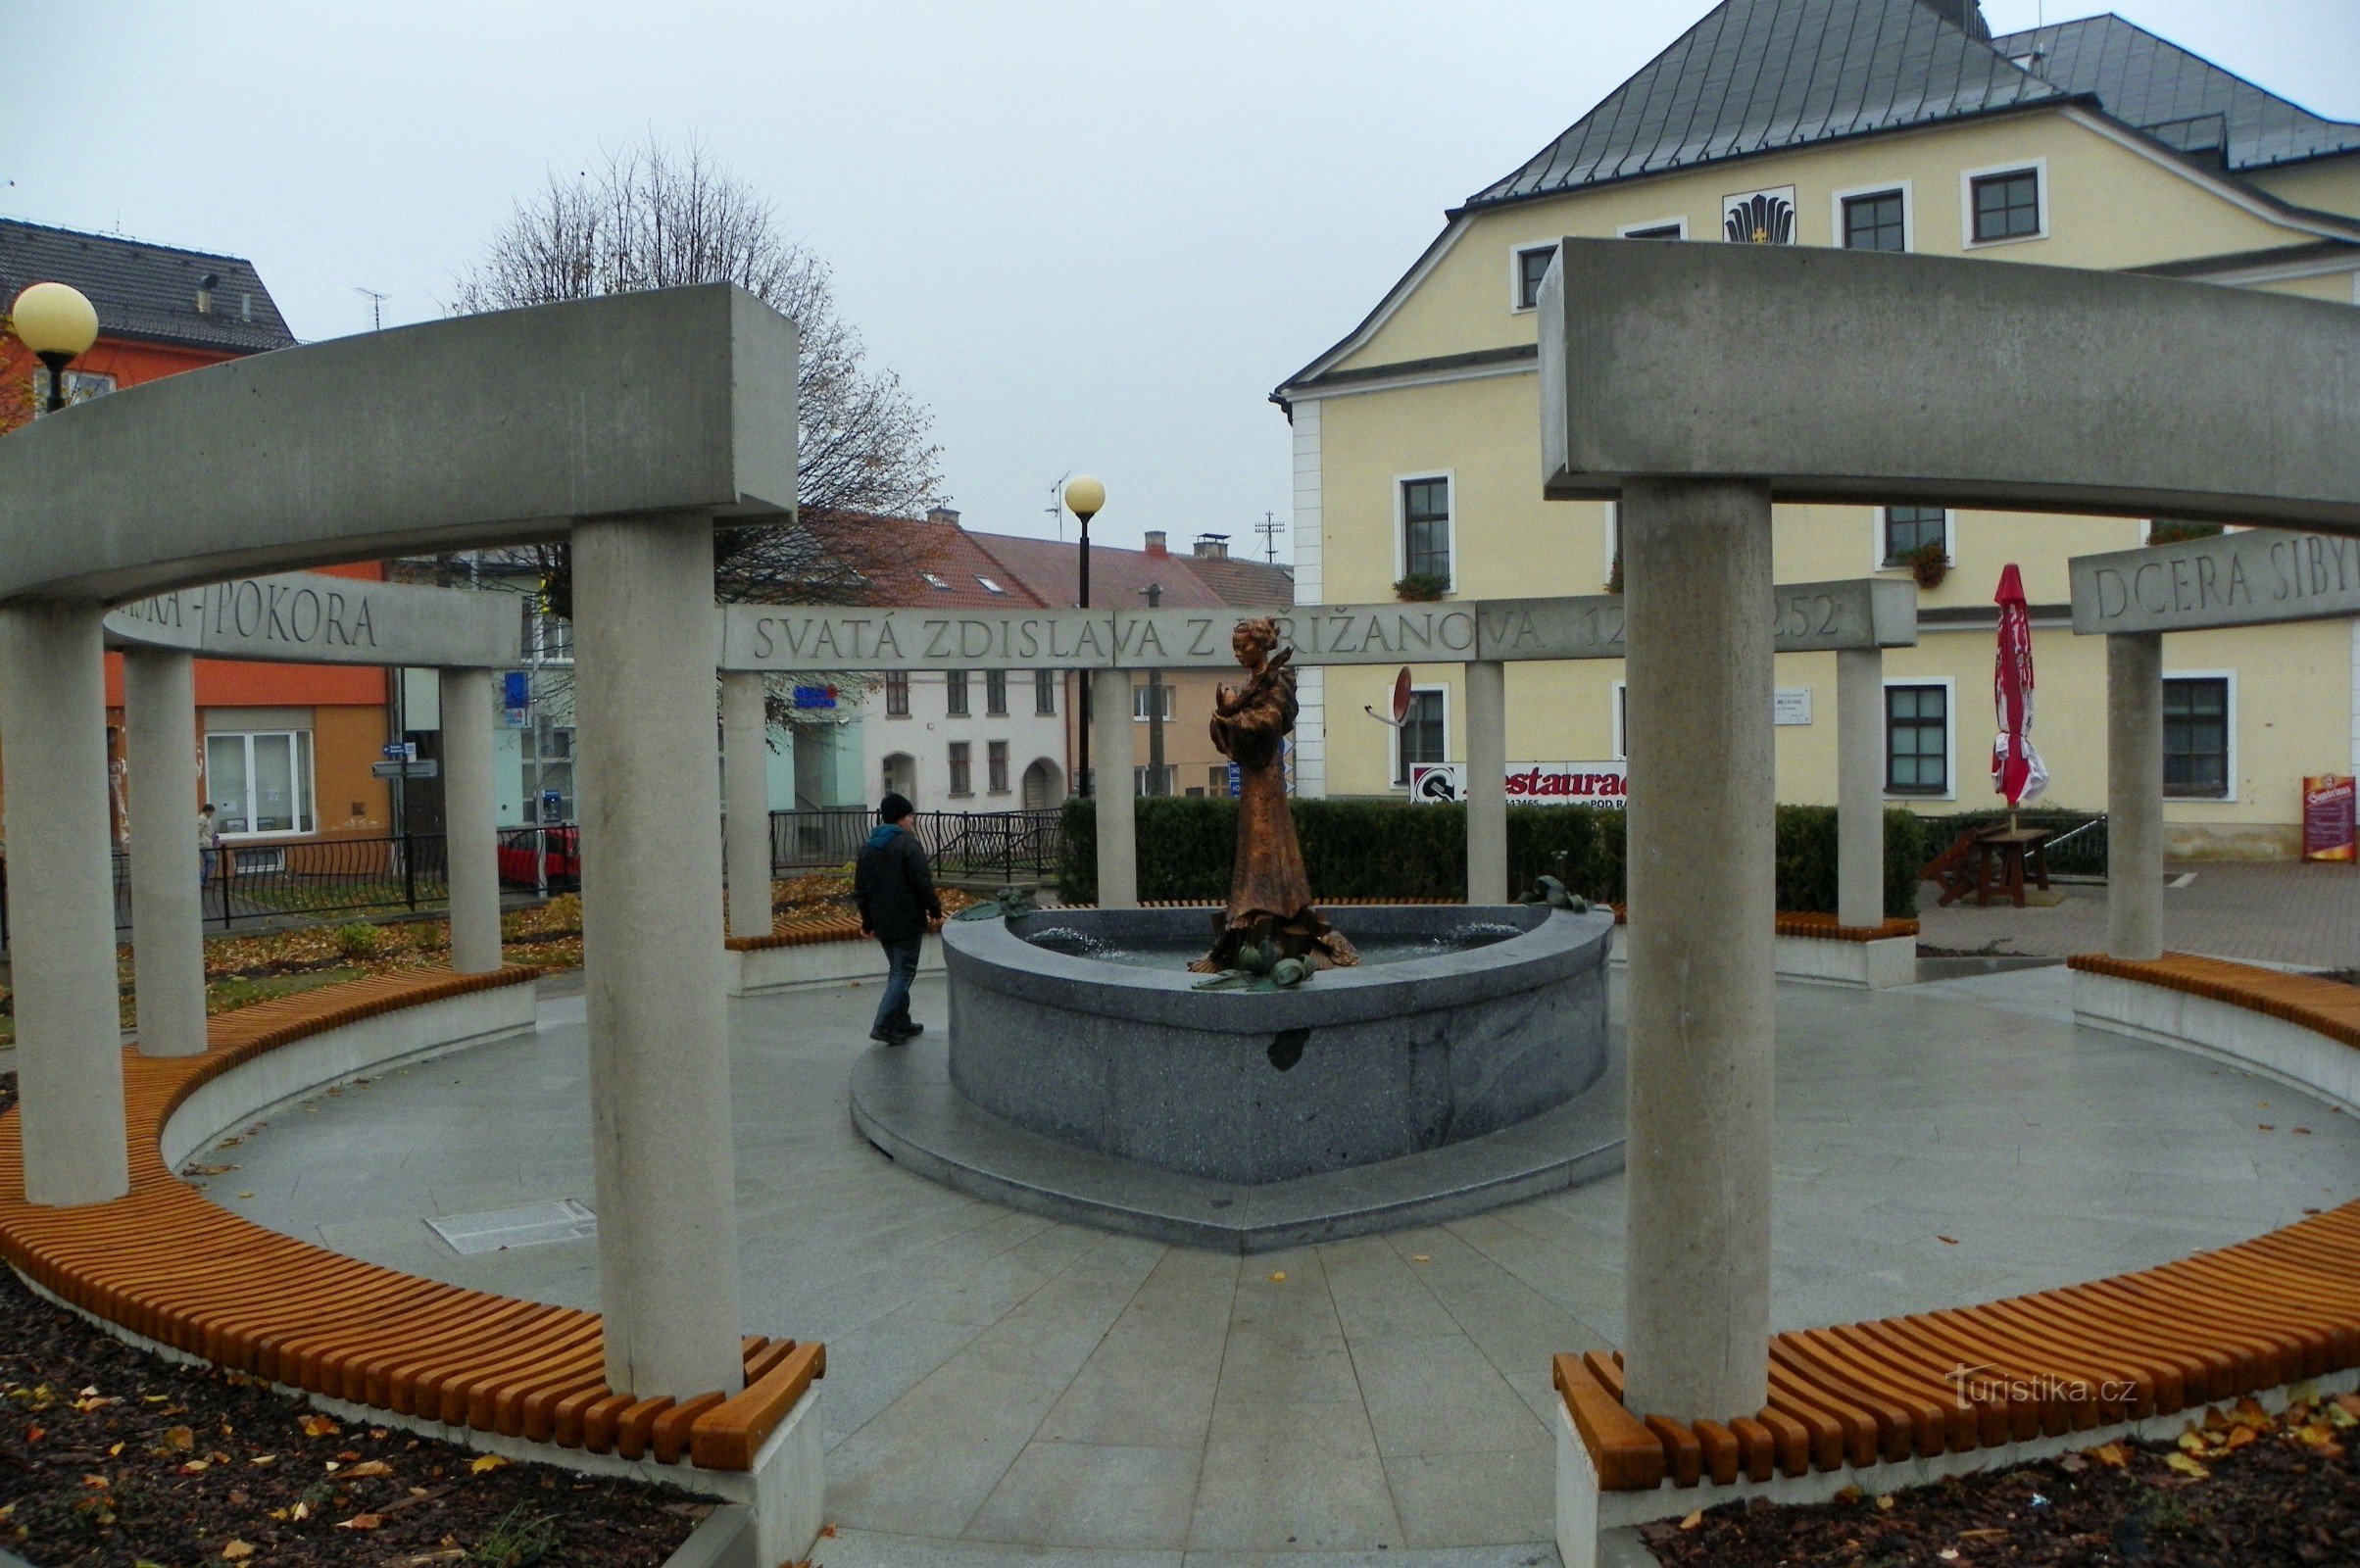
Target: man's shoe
<point>913,1029</point>
<point>883,1037</point>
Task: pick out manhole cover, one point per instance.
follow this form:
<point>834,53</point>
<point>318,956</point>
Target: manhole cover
<point>497,1229</point>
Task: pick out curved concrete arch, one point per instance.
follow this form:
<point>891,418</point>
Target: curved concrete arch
<point>477,431</point>
<point>1852,375</point>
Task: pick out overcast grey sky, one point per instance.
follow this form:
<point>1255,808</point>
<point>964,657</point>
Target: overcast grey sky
<point>1087,236</point>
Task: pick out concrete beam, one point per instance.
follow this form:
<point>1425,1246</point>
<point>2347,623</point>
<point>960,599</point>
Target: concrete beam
<point>2015,387</point>
<point>1486,783</point>
<point>1112,758</point>
<point>2254,578</point>
<point>471,820</point>
<point>2135,796</point>
<point>651,954</point>
<point>479,429</point>
<point>311,619</point>
<point>1860,787</point>
<point>61,901</point>
<point>168,909</point>
<point>746,803</point>
<point>1702,966</point>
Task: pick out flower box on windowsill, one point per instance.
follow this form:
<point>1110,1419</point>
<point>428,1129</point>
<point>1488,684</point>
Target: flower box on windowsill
<point>1422,587</point>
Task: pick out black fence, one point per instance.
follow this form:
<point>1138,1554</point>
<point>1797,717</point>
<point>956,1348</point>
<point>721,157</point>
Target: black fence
<point>1006,844</point>
<point>247,885</point>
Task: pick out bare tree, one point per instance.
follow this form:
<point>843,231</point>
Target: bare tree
<point>654,218</point>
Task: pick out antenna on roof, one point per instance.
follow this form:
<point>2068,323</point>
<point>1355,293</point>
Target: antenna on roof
<point>1270,528</point>
<point>1057,502</point>
<point>376,307</point>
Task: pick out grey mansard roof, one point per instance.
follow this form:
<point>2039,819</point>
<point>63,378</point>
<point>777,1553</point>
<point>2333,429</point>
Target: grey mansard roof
<point>1760,75</point>
<point>2182,99</point>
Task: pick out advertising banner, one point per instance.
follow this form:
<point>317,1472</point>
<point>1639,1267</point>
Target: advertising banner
<point>1528,783</point>
<point>2328,828</point>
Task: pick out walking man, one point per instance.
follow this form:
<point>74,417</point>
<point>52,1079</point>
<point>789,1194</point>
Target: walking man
<point>895,891</point>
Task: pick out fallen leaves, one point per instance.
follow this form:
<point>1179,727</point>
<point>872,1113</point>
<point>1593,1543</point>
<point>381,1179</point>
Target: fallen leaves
<point>362,1521</point>
<point>236,1551</point>
<point>320,1426</point>
<point>484,1464</point>
<point>369,1467</point>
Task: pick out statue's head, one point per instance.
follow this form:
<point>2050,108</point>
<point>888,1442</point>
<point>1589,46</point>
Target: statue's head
<point>1254,640</point>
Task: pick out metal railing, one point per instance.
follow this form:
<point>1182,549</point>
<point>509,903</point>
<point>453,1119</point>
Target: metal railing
<point>249,884</point>
<point>1004,844</point>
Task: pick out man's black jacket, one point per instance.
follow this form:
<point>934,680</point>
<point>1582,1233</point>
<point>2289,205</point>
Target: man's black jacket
<point>893,887</point>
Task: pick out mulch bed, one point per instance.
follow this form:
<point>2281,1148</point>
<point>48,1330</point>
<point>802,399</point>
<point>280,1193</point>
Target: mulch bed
<point>111,1456</point>
<point>2246,1489</point>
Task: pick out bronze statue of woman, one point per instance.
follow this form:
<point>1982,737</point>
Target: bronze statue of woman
<point>1269,894</point>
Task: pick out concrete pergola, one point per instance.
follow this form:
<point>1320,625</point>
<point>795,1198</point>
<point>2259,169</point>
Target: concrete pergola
<point>632,425</point>
<point>1855,619</point>
<point>2254,578</point>
<point>1699,383</point>
<point>298,618</point>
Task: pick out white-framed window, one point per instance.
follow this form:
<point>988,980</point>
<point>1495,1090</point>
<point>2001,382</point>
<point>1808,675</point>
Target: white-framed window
<point>1425,528</point>
<point>1902,531</point>
<point>989,586</point>
<point>955,692</point>
<point>995,692</point>
<point>1045,692</point>
<point>963,768</point>
<point>2003,204</point>
<point>1875,218</point>
<point>1143,778</point>
<point>1621,720</point>
<point>2201,734</point>
<point>897,694</point>
<point>1654,229</point>
<point>1144,703</point>
<point>1921,737</point>
<point>1527,266</point>
<point>1425,732</point>
<point>994,764</point>
<point>81,387</point>
<point>934,581</point>
<point>260,782</point>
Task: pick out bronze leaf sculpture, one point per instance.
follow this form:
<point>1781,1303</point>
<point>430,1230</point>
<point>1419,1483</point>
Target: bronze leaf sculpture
<point>1269,909</point>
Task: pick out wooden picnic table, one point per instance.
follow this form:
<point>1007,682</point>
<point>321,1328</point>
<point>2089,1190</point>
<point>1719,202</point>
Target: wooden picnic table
<point>2005,858</point>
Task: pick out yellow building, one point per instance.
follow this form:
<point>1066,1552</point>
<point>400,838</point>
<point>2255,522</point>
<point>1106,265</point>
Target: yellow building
<point>1888,124</point>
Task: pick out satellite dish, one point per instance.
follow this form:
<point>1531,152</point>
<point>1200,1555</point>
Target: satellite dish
<point>1401,695</point>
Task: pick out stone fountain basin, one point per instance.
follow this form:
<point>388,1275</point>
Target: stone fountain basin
<point>1359,1065</point>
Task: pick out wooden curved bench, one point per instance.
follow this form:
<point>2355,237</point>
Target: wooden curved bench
<point>2240,1320</point>
<point>167,1265</point>
<point>2324,1007</point>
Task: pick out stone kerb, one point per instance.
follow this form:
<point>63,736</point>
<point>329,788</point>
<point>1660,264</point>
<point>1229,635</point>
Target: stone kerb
<point>309,617</point>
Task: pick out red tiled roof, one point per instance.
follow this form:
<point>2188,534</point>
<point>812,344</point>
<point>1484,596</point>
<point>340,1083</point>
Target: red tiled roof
<point>945,565</point>
<point>1117,576</point>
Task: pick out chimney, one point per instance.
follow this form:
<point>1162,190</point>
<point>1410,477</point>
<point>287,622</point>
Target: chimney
<point>1212,547</point>
<point>1156,545</point>
<point>205,292</point>
<point>943,515</point>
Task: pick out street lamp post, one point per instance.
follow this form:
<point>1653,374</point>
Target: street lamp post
<point>59,324</point>
<point>1085,497</point>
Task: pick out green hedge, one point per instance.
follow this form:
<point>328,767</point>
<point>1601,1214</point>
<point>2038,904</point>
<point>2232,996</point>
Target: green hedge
<point>1391,848</point>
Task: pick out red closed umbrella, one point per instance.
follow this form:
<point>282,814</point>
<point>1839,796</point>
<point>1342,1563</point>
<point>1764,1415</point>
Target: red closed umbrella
<point>2016,769</point>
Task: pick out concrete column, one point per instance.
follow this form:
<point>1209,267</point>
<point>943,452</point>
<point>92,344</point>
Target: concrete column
<point>1697,1294</point>
<point>167,911</point>
<point>1111,747</point>
<point>1487,782</point>
<point>2135,795</point>
<point>471,820</point>
<point>745,802</point>
<point>61,901</point>
<point>1860,786</point>
<point>645,648</point>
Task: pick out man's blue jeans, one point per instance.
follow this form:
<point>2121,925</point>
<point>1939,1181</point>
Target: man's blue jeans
<point>893,1008</point>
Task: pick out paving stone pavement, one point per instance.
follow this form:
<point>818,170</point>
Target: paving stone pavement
<point>1007,1390</point>
<point>2305,914</point>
